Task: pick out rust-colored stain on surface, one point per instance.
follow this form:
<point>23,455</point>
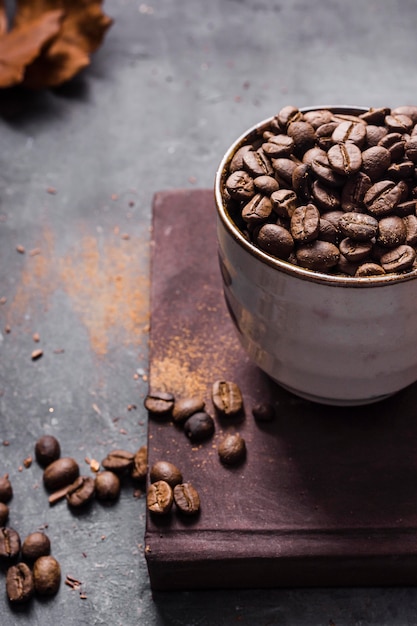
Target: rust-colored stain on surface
<point>101,276</point>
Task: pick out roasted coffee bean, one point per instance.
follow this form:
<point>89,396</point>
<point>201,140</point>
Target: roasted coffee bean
<point>227,398</point>
<point>375,162</point>
<point>266,184</point>
<point>350,131</point>
<point>305,223</point>
<point>257,163</point>
<point>321,168</point>
<point>276,240</point>
<point>355,251</point>
<point>353,193</point>
<point>35,545</point>
<point>81,492</point>
<point>164,470</point>
<point>9,545</point>
<point>6,489</point>
<point>395,144</point>
<point>410,223</point>
<point>159,403</point>
<point>324,197</point>
<point>345,158</point>
<point>318,255</point>
<point>278,146</point>
<point>324,135</point>
<point>237,161</point>
<point>118,461</point>
<point>284,202</point>
<point>47,450</point>
<point>398,259</point>
<point>160,497</point>
<point>60,473</point>
<point>257,210</point>
<point>318,118</point>
<point>411,149</point>
<point>199,426</point>
<point>370,269</point>
<point>232,449</point>
<point>19,584</point>
<point>409,110</point>
<point>398,123</point>
<point>382,198</point>
<point>314,153</point>
<point>301,181</point>
<point>374,134</point>
<point>392,231</point>
<point>4,513</point>
<point>284,169</point>
<point>185,407</point>
<point>46,576</point>
<point>107,486</point>
<point>303,135</point>
<point>401,171</point>
<point>358,226</point>
<point>186,498</point>
<point>263,412</point>
<point>406,208</point>
<point>328,231</point>
<point>140,464</point>
<point>375,115</point>
<point>346,267</point>
<point>287,115</point>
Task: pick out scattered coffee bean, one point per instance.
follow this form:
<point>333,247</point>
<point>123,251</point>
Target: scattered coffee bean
<point>19,584</point>
<point>140,464</point>
<point>159,403</point>
<point>60,473</point>
<point>46,576</point>
<point>47,450</point>
<point>264,412</point>
<point>118,461</point>
<point>227,398</point>
<point>35,545</point>
<point>164,470</point>
<point>81,492</point>
<point>160,497</point>
<point>4,513</point>
<point>6,490</point>
<point>232,449</point>
<point>185,407</point>
<point>199,426</point>
<point>9,545</point>
<point>107,486</point>
<point>186,498</point>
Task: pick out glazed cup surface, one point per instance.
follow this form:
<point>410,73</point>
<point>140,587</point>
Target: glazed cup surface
<point>331,339</point>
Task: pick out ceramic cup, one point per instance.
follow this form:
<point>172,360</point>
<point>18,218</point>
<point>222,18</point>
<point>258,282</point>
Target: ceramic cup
<point>326,338</point>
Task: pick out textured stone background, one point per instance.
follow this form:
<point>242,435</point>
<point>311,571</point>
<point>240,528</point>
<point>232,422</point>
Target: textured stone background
<point>173,85</point>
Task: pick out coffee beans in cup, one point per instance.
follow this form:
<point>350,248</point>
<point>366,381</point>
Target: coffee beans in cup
<point>330,192</point>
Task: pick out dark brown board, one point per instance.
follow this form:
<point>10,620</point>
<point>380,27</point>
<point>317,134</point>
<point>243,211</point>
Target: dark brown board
<point>326,496</point>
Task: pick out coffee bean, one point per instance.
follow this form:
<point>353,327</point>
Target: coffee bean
<point>232,449</point>
<point>160,497</point>
<point>303,135</point>
<point>185,407</point>
<point>284,202</point>
<point>118,461</point>
<point>411,149</point>
<point>375,161</point>
<point>263,412</point>
<point>257,210</point>
<point>324,197</point>
<point>47,450</point>
<point>140,464</point>
<point>358,226</point>
<point>4,513</point>
<point>186,498</point>
<point>81,492</point>
<point>355,251</point>
<point>35,545</point>
<point>266,184</point>
<point>107,486</point>
<point>345,158</point>
<point>398,259</point>
<point>275,240</point>
<point>60,473</point>
<point>382,198</point>
<point>46,576</point>
<point>409,110</point>
<point>350,131</point>
<point>395,144</point>
<point>257,163</point>
<point>328,231</point>
<point>370,269</point>
<point>375,115</point>
<point>410,223</point>
<point>6,490</point>
<point>301,181</point>
<point>236,163</point>
<point>305,223</point>
<point>9,545</point>
<point>159,403</point>
<point>278,146</point>
<point>324,135</point>
<point>227,398</point>
<point>401,171</point>
<point>321,168</point>
<point>164,470</point>
<point>398,123</point>
<point>199,426</point>
<point>374,134</point>
<point>392,231</point>
<point>284,169</point>
<point>318,255</point>
<point>318,118</point>
<point>353,193</point>
<point>19,584</point>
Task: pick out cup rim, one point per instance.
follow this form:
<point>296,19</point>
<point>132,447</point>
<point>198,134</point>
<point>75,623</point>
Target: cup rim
<point>289,268</point>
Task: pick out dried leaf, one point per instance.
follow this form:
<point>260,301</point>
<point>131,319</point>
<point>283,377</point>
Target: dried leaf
<point>23,44</point>
<point>82,32</point>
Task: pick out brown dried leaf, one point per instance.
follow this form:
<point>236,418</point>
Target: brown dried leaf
<point>23,44</point>
<point>82,32</point>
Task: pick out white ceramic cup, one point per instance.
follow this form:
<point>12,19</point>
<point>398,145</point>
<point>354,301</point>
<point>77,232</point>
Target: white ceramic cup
<point>326,338</point>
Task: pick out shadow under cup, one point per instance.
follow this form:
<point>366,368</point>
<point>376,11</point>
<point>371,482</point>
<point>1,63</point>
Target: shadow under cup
<point>327,338</point>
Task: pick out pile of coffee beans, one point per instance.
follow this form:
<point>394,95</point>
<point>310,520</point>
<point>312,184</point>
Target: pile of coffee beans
<point>167,487</point>
<point>30,568</point>
<point>330,192</point>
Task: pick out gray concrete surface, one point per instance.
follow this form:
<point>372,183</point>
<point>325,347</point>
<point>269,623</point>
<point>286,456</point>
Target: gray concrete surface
<point>172,86</point>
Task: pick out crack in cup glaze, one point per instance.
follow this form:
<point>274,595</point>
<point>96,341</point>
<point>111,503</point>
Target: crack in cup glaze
<point>329,338</point>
